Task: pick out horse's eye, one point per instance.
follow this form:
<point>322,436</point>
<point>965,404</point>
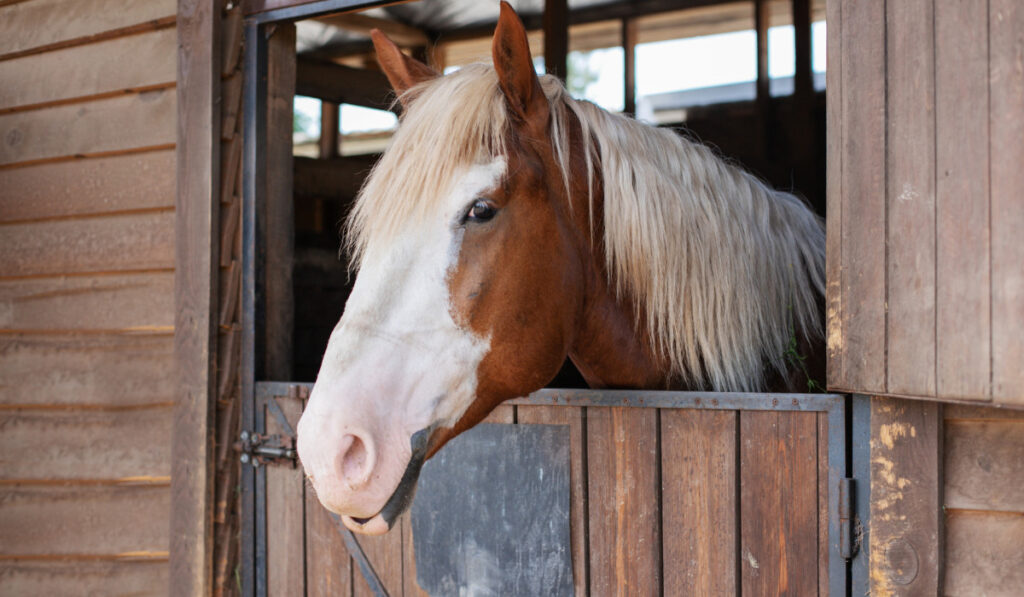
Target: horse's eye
<point>480,211</point>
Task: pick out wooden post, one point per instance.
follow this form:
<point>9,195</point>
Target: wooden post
<point>629,56</point>
<point>280,212</point>
<point>906,497</point>
<point>330,114</point>
<point>556,37</point>
<point>761,27</point>
<point>195,297</point>
<point>803,80</point>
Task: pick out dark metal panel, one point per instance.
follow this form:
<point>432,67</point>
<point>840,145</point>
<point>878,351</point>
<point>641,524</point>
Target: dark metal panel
<point>253,108</point>
<point>860,455</point>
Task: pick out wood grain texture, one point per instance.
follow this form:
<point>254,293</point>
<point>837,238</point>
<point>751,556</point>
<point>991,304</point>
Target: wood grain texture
<point>136,120</point>
<point>195,122</point>
<point>573,417</point>
<point>141,578</point>
<point>910,197</point>
<point>834,196</point>
<point>906,497</point>
<point>136,181</point>
<point>863,193</point>
<point>285,518</point>
<point>962,323</point>
<point>101,520</point>
<point>100,369</point>
<point>1006,152</point>
<point>136,62</point>
<point>778,503</point>
<point>410,587</point>
<point>625,541</point>
<point>88,445</point>
<point>279,320</point>
<point>385,555</point>
<point>983,554</point>
<point>125,303</point>
<point>41,23</point>
<point>117,243</point>
<point>984,465</point>
<point>502,414</point>
<point>328,565</point>
<point>698,484</point>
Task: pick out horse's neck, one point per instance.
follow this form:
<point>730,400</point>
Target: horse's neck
<point>608,350</point>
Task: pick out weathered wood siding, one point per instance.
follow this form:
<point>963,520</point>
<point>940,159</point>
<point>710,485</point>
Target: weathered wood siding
<point>926,199</point>
<point>947,509</point>
<point>87,136</point>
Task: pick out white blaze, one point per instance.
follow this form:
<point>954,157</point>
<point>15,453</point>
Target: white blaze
<point>397,361</point>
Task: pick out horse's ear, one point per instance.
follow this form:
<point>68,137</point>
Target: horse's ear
<point>402,71</point>
<point>511,53</point>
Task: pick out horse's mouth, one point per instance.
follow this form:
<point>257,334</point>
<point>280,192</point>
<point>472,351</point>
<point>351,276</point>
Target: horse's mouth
<point>401,498</point>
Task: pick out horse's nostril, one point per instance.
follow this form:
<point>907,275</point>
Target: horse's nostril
<point>355,460</point>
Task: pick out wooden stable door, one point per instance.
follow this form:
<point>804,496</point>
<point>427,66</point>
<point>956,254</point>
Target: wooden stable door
<point>671,493</point>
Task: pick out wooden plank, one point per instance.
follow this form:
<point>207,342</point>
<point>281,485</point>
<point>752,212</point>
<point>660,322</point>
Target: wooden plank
<point>42,24</point>
<point>834,196</point>
<point>87,445</point>
<point>122,302</point>
<point>979,413</point>
<point>385,555</point>
<point>285,519</point>
<point>962,324</point>
<point>99,520</point>
<point>340,84</point>
<point>329,130</point>
<point>698,485</point>
<point>778,503</point>
<point>196,120</point>
<point>135,181</point>
<point>137,120</point>
<point>629,36</point>
<point>984,465</point>
<point>823,506</point>
<point>279,208</point>
<point>503,413</point>
<point>136,578</point>
<point>132,63</point>
<point>116,243</point>
<point>410,587</point>
<point>983,554</point>
<point>328,565</point>
<point>556,37</point>
<point>910,198</point>
<point>573,417</point>
<point>329,568</point>
<point>622,490</point>
<point>1006,152</point>
<point>86,370</point>
<point>906,502</point>
<point>863,196</point>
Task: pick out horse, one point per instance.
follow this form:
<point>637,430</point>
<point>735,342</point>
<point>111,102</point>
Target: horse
<point>509,226</point>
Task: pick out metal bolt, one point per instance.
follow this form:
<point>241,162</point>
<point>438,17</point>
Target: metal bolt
<point>244,458</point>
<point>245,436</point>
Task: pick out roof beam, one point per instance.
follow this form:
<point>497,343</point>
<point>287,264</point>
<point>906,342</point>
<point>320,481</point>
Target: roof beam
<point>403,35</point>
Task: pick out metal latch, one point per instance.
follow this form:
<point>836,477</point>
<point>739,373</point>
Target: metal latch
<point>258,449</point>
<point>848,543</point>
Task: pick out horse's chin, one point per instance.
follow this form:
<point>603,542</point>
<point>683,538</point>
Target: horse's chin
<point>375,525</point>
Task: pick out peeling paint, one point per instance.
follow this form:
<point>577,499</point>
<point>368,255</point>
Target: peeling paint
<point>890,432</point>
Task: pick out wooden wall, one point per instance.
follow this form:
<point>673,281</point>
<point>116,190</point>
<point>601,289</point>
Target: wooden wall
<point>926,199</point>
<point>947,510</point>
<point>87,162</point>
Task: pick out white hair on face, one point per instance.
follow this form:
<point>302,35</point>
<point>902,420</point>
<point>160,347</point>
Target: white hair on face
<point>725,271</point>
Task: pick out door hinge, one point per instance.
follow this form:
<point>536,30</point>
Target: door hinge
<point>259,449</point>
<point>849,538</point>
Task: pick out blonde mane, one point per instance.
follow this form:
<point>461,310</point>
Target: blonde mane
<point>725,271</point>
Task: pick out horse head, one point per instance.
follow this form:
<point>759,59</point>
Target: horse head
<point>469,285</point>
